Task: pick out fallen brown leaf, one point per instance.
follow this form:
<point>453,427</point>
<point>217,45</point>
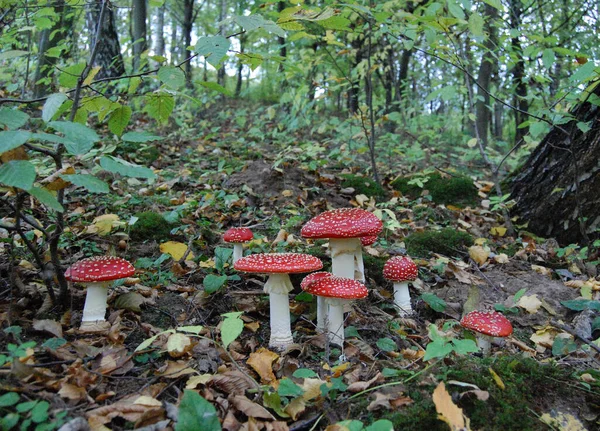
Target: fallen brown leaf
<point>262,362</point>
<point>250,408</point>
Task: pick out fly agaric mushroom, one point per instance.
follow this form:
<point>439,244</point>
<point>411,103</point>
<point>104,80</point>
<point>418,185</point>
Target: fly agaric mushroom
<point>359,264</point>
<point>321,313</point>
<point>96,273</point>
<point>486,326</point>
<point>336,292</point>
<point>343,227</point>
<point>278,285</point>
<point>401,270</point>
<point>237,236</point>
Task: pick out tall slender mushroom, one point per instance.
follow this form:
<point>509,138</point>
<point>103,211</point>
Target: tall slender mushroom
<point>96,273</point>
<point>237,236</point>
<point>278,285</point>
<point>401,270</point>
<point>487,325</point>
<point>343,227</point>
<point>336,292</point>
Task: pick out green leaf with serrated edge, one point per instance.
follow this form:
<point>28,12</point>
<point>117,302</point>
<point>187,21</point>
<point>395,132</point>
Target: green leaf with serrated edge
<point>287,388</point>
<point>436,303</point>
<point>89,182</point>
<point>46,198</point>
<point>13,118</point>
<point>9,399</point>
<point>213,48</point>
<point>18,173</point>
<point>119,119</point>
<point>191,329</point>
<point>437,349</point>
<point>10,140</point>
<point>52,105</point>
<point>213,282</point>
<point>159,106</point>
<point>70,74</point>
<point>253,22</point>
<point>462,347</point>
<point>195,410</point>
<point>231,328</point>
<point>140,137</point>
<point>386,344</point>
<point>172,76</point>
<point>81,138</point>
<point>148,342</point>
<point>381,425</point>
<point>582,304</point>
<point>304,373</point>
<point>127,169</point>
<point>216,87</point>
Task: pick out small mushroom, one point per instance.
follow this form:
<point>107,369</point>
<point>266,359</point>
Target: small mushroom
<point>401,270</point>
<point>278,285</point>
<point>96,273</point>
<point>487,325</point>
<point>237,236</point>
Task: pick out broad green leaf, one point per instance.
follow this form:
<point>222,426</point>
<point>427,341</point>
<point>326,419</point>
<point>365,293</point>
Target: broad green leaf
<point>47,137</point>
<point>222,255</point>
<point>52,105</point>
<point>159,106</point>
<point>253,22</point>
<point>191,329</point>
<point>70,75</point>
<point>335,23</point>
<point>436,303</point>
<point>351,425</point>
<point>287,388</point>
<point>386,344</point>
<point>122,167</point>
<point>495,3</point>
<point>81,138</point>
<point>437,349</point>
<point>231,328</point>
<point>582,304</point>
<point>134,83</point>
<point>46,198</point>
<point>9,399</point>
<point>40,412</point>
<point>519,294</point>
<point>456,10</point>
<point>14,53</point>
<point>54,343</point>
<point>89,182</point>
<point>213,48</point>
<point>196,413</point>
<point>304,373</point>
<point>13,118</point>
<point>381,425</point>
<point>584,73</point>
<point>213,282</point>
<point>548,58</point>
<point>17,173</point>
<point>216,87</point>
<point>252,60</point>
<point>13,139</point>
<point>140,137</point>
<point>119,119</point>
<point>476,24</point>
<point>173,77</point>
<point>462,347</point>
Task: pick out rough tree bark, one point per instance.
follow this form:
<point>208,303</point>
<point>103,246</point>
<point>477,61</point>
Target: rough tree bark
<point>138,31</point>
<point>160,31</point>
<point>556,191</point>
<point>109,50</point>
<point>188,22</point>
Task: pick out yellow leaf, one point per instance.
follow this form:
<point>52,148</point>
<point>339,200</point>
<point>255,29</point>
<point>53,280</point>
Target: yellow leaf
<point>544,337</point>
<point>145,400</point>
<point>542,270</point>
<point>295,408</point>
<point>562,421</point>
<point>497,379</point>
<point>178,345</point>
<point>501,258</point>
<point>102,225</point>
<point>194,381</point>
<point>498,231</point>
<point>339,369</point>
<point>207,263</point>
<point>479,254</point>
<point>262,362</point>
<point>175,249</point>
<point>287,193</point>
<point>448,411</point>
<point>92,75</point>
<point>312,388</point>
<point>531,303</point>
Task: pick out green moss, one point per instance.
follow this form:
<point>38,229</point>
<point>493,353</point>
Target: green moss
<point>448,241</point>
<point>457,189</point>
<point>363,185</point>
<point>374,268</point>
<point>150,225</point>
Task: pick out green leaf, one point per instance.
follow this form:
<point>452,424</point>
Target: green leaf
<point>231,328</point>
<point>304,373</point>
<point>13,118</point>
<point>495,3</point>
<point>381,425</point>
<point>213,282</point>
<point>336,23</point>
<point>195,410</point>
<point>89,182</point>
<point>119,119</point>
<point>436,303</point>
<point>437,349</point>
<point>9,421</point>
<point>386,344</point>
<point>548,58</point>
<point>350,331</point>
<point>9,399</point>
<point>476,24</point>
<point>159,106</point>
<point>81,138</point>
<point>216,87</point>
<point>596,324</point>
<point>54,343</point>
<point>13,139</point>
<point>46,198</point>
<point>52,105</point>
<point>70,75</point>
<point>272,400</point>
<point>222,255</point>
<point>18,173</point>
<point>191,329</point>
<point>519,294</point>
<point>13,53</point>
<point>122,167</point>
<point>40,412</point>
<point>582,304</point>
<point>563,346</point>
<point>253,22</point>
<point>252,60</point>
<point>173,77</point>
<point>140,137</point>
<point>584,73</point>
<point>213,48</point>
<point>287,388</point>
<point>462,347</point>
<point>26,406</point>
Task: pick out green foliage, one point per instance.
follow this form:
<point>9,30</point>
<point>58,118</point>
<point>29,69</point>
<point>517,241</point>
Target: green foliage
<point>363,185</point>
<point>442,346</point>
<point>231,328</point>
<point>150,225</point>
<point>457,189</point>
<point>34,415</point>
<point>434,301</point>
<point>195,410</point>
<point>448,241</point>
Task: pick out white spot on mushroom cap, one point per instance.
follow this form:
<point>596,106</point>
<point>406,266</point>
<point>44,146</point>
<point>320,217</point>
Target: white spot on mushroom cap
<point>99,268</point>
<point>342,223</point>
<point>400,268</point>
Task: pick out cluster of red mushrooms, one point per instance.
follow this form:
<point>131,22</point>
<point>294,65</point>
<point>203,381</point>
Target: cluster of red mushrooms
<point>347,229</point>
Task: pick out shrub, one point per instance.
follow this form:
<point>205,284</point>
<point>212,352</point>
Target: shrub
<point>447,241</point>
<point>454,190</point>
<point>363,185</point>
<point>150,225</point>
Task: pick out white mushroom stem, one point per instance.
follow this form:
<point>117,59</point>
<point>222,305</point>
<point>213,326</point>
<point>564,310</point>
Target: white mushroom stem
<point>94,309</point>
<point>402,298</point>
<point>238,251</point>
<point>278,286</point>
<point>335,321</point>
<point>484,342</point>
<point>321,313</point>
<point>342,256</point>
<point>359,266</point>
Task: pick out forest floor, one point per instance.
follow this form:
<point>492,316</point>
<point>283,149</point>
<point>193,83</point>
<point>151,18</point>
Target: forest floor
<point>542,377</point>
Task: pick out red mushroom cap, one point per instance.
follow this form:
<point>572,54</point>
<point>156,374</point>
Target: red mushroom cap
<point>337,287</point>
<point>488,323</point>
<point>99,268</point>
<point>400,268</point>
<point>285,263</point>
<point>315,276</point>
<point>368,240</point>
<point>237,234</point>
<point>342,223</point>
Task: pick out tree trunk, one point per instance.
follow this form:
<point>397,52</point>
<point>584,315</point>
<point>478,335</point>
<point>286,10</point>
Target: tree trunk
<point>188,21</point>
<point>109,50</point>
<point>174,48</point>
<point>556,191</point>
<point>518,72</point>
<point>222,14</point>
<point>240,68</point>
<point>160,31</point>
<point>354,90</point>
<point>138,31</point>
